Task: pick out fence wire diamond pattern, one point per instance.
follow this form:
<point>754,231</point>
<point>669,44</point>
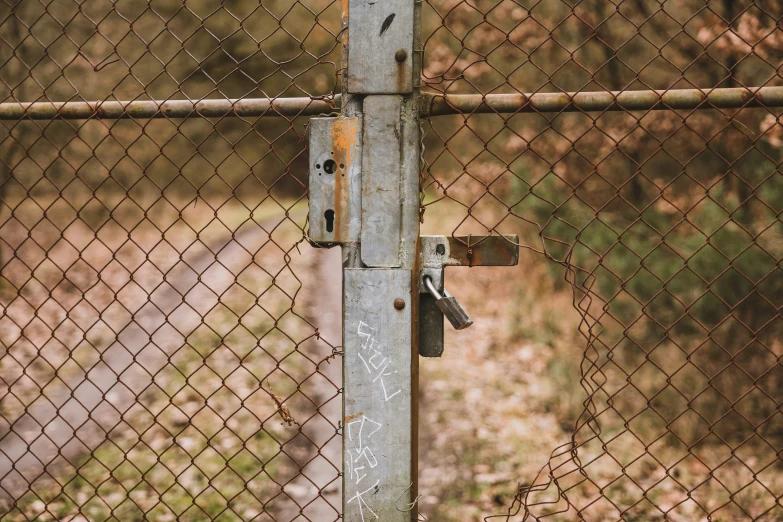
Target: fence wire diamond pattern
<point>161,359</point>
<point>161,356</point>
<point>667,224</point>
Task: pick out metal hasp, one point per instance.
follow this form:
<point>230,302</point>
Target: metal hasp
<point>334,146</point>
<point>438,252</point>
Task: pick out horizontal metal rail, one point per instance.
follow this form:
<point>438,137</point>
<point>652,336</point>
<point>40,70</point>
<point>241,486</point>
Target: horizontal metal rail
<point>434,104</point>
<point>675,99</point>
<point>146,109</point>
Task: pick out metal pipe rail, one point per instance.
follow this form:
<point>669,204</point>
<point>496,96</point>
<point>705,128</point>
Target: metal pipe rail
<point>432,104</point>
<point>147,109</point>
<point>674,99</point>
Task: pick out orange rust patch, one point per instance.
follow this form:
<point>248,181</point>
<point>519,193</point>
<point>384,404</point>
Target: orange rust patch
<point>401,76</point>
<point>345,132</point>
<point>349,418</point>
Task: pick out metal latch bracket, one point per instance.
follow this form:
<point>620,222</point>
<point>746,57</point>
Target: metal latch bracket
<point>438,252</point>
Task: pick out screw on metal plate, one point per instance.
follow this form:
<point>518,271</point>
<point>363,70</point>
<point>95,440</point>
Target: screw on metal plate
<point>449,305</point>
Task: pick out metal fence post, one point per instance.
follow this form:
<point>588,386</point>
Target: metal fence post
<point>380,294</point>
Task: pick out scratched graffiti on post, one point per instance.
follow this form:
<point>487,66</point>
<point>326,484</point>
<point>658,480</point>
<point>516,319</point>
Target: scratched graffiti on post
<point>377,462</point>
<point>361,461</point>
<point>364,434</point>
<point>374,360</point>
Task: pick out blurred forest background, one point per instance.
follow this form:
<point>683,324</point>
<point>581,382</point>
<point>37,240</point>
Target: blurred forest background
<point>666,227</point>
<point>656,236</point>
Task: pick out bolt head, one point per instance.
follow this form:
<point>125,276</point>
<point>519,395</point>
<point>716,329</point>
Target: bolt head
<point>401,55</point>
<point>399,304</point>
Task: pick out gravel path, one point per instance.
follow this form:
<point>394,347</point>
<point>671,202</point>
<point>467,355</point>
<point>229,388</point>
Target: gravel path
<point>76,422</point>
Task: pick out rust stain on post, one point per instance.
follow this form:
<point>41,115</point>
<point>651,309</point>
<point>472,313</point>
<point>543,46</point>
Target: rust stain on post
<point>344,13</point>
<point>344,135</point>
<point>349,418</point>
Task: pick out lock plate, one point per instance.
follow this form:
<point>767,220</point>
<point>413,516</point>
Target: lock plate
<point>430,327</point>
<point>334,147</point>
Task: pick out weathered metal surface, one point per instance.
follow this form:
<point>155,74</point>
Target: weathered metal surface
<point>146,109</point>
<point>381,48</point>
<point>410,178</point>
<point>352,106</point>
<point>678,99</point>
<point>334,148</point>
<point>378,467</point>
<point>389,195</point>
<point>381,205</point>
<point>430,327</point>
<point>440,251</point>
<point>434,272</point>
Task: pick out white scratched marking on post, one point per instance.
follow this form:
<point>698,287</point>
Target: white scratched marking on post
<point>363,503</point>
<point>360,457</point>
<point>375,362</point>
<point>366,429</point>
<point>364,445</point>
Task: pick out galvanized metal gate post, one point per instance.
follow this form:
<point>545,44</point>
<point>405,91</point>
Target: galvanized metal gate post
<point>380,295</point>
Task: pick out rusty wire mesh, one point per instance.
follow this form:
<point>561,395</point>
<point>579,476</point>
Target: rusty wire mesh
<point>667,224</point>
<point>160,358</point>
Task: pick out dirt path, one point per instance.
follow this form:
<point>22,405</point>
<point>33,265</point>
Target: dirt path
<point>91,404</point>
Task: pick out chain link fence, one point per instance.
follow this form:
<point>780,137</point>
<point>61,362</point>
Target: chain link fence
<point>161,357</point>
<point>162,352</point>
<point>663,216</point>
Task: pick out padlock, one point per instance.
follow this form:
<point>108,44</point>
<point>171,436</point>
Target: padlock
<point>449,305</point>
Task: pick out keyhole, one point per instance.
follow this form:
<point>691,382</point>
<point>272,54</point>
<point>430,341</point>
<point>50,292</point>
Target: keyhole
<point>330,166</point>
<point>329,215</point>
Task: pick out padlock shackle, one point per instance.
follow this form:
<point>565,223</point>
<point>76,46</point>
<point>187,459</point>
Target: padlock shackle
<point>431,287</point>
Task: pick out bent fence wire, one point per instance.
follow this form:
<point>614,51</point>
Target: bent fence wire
<point>667,222</point>
<point>160,356</point>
